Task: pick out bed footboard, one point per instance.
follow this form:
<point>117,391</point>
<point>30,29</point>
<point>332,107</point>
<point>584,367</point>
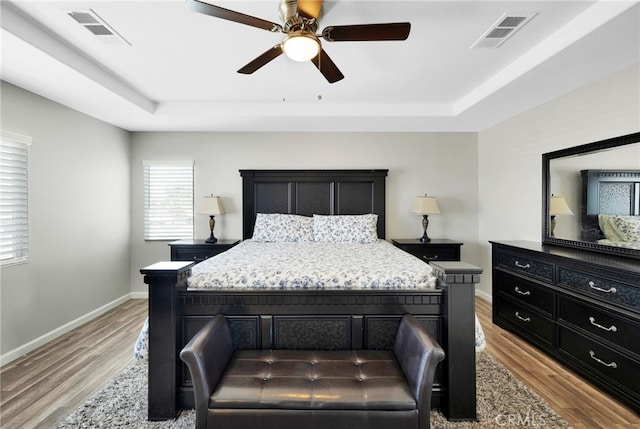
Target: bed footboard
<point>329,320</point>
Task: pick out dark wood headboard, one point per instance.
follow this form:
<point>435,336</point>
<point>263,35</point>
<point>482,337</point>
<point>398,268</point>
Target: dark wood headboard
<point>308,192</point>
<point>607,192</point>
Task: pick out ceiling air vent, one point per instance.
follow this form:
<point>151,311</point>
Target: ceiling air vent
<point>499,32</point>
<point>97,26</point>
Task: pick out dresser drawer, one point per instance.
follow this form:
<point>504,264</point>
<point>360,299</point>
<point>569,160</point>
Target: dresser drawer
<point>525,291</point>
<point>611,291</point>
<point>530,321</point>
<point>600,358</point>
<point>435,250</point>
<point>618,330</point>
<point>526,265</point>
<point>193,254</point>
<point>436,255</point>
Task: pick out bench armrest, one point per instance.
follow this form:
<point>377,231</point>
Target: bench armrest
<point>206,356</point>
<point>418,355</point>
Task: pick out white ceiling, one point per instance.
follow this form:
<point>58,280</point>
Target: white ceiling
<point>179,71</point>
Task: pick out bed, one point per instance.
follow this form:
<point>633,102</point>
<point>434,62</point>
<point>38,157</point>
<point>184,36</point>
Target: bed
<point>338,306</point>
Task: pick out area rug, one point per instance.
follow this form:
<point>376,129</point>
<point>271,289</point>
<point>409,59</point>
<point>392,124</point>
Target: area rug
<point>503,402</point>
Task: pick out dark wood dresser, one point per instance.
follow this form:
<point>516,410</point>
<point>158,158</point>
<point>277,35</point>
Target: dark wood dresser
<point>581,307</point>
<point>198,250</point>
<point>433,251</point>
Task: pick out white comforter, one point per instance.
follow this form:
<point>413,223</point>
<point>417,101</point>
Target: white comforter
<point>312,266</point>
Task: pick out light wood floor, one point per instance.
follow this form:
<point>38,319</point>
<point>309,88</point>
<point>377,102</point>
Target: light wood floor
<point>43,387</point>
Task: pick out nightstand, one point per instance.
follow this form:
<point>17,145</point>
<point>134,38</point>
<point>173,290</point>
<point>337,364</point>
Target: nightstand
<point>198,250</point>
<point>435,250</point>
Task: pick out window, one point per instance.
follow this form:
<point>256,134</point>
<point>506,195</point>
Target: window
<point>168,200</point>
<point>14,207</point>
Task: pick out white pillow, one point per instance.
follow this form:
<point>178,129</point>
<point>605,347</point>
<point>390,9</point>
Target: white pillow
<point>345,228</point>
<point>626,227</point>
<point>277,227</point>
<point>608,229</point>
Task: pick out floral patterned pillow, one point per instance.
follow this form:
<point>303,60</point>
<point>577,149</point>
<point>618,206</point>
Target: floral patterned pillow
<point>607,228</point>
<point>277,227</point>
<point>626,227</point>
<point>345,228</point>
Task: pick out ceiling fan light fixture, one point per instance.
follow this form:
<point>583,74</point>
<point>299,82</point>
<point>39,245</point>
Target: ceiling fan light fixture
<point>301,46</point>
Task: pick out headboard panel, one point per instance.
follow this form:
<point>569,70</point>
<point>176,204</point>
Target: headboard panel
<point>614,192</point>
<point>308,192</point>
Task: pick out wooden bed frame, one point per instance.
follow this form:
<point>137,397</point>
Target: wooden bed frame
<point>269,319</point>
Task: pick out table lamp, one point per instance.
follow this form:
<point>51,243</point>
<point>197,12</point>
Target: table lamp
<point>211,206</point>
<point>425,206</point>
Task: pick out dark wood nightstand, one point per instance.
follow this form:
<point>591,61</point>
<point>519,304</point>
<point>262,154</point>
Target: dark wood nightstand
<point>198,250</point>
<point>435,250</point>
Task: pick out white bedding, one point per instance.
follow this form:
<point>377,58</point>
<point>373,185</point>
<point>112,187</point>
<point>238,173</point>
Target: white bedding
<point>617,243</point>
<point>312,266</point>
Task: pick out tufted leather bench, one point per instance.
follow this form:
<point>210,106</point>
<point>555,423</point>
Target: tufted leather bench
<point>312,388</point>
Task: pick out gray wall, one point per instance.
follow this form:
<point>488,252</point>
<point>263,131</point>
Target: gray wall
<point>79,220</point>
<point>440,164</point>
<point>510,155</point>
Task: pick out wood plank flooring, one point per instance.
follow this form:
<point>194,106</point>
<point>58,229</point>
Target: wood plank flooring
<point>41,388</point>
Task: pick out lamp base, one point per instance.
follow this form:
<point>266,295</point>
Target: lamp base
<point>425,223</point>
<point>212,224</point>
<point>424,239</point>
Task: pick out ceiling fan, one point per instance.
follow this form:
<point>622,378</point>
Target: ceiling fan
<point>300,18</point>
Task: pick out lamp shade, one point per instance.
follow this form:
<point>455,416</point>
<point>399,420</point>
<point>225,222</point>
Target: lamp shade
<point>425,205</point>
<point>558,206</point>
<point>211,205</point>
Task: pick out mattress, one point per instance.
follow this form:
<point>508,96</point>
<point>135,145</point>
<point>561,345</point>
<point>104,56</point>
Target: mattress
<point>254,265</point>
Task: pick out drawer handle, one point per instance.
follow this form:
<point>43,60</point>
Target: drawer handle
<point>521,292</point>
<point>525,266</point>
<point>524,319</point>
<point>612,328</point>
<point>429,258</point>
<point>593,286</point>
<point>593,356</point>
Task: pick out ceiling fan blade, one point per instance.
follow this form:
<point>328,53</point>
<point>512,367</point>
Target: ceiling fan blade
<point>261,60</point>
<point>310,8</point>
<point>230,15</point>
<point>327,67</point>
<point>367,32</point>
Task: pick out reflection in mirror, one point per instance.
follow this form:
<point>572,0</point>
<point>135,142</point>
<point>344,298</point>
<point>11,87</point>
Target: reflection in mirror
<point>586,183</point>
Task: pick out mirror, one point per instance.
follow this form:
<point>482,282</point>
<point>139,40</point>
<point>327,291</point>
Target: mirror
<point>584,186</point>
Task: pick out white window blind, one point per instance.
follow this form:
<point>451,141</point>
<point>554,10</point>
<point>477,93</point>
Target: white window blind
<point>14,207</point>
<point>168,200</point>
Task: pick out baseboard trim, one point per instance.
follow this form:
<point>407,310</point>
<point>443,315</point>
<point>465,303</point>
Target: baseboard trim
<point>483,295</point>
<point>139,295</point>
<point>52,335</point>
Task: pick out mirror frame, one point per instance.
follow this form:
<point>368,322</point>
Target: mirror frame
<point>546,194</point>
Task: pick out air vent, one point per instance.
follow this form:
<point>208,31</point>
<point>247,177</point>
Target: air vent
<point>503,29</point>
<point>90,20</point>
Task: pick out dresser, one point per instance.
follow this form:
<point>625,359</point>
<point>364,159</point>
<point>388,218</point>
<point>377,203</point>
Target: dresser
<point>198,250</point>
<point>435,250</point>
<point>581,307</point>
